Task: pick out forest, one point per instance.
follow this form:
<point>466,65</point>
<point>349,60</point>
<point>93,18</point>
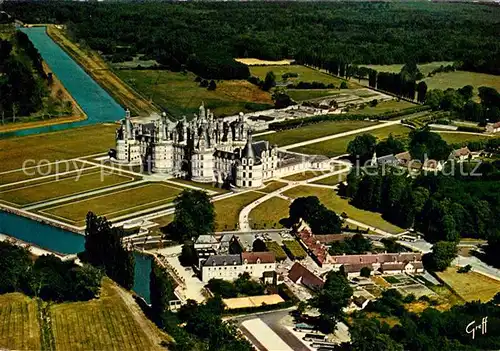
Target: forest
<point>185,34</point>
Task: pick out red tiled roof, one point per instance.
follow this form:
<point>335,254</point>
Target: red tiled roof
<point>392,267</point>
<point>309,279</point>
<point>330,238</point>
<point>252,257</point>
<point>376,258</point>
<point>317,249</point>
<point>354,268</point>
<point>464,151</point>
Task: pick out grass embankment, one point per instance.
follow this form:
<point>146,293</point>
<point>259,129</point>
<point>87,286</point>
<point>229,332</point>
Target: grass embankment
<point>304,175</point>
<point>335,203</point>
<point>470,286</point>
<point>268,214</point>
<point>118,203</point>
<point>313,131</point>
<point>180,94</point>
<point>272,186</point>
<point>56,146</point>
<point>19,327</point>
<point>332,180</point>
<point>338,146</point>
<point>227,210</point>
<point>425,68</point>
<point>53,189</point>
<point>95,66</point>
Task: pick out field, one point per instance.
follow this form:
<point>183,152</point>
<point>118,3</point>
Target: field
<point>56,146</point>
<point>313,131</point>
<point>254,61</point>
<point>279,253</point>
<point>458,79</point>
<point>425,68</point>
<point>470,286</point>
<point>41,171</point>
<point>272,186</point>
<point>269,213</point>
<point>115,204</point>
<point>112,322</point>
<point>306,74</point>
<point>338,146</point>
<point>180,94</point>
<point>304,175</point>
<point>310,94</point>
<point>332,180</point>
<point>53,189</point>
<point>228,210</point>
<point>294,249</point>
<point>461,138</point>
<point>19,328</point>
<point>95,66</point>
<point>335,203</point>
<point>384,106</point>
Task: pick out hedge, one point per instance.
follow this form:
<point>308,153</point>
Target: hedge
<point>300,122</point>
<point>472,129</point>
<point>279,253</point>
<point>294,249</point>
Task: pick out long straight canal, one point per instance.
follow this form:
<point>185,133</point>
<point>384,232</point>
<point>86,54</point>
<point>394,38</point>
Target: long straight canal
<point>99,107</point>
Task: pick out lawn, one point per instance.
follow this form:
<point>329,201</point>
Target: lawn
<point>52,189</point>
<point>470,286</point>
<point>107,323</point>
<point>206,186</point>
<point>313,131</point>
<point>461,138</point>
<point>332,180</point>
<point>383,107</point>
<point>180,94</point>
<point>425,68</point>
<point>306,74</point>
<point>294,249</point>
<point>269,213</point>
<point>55,146</point>
<point>228,210</point>
<point>338,146</point>
<point>278,251</point>
<point>19,328</point>
<point>304,175</point>
<point>272,186</point>
<point>116,203</point>
<point>335,203</point>
<point>42,170</point>
<point>309,94</point>
<point>458,79</point>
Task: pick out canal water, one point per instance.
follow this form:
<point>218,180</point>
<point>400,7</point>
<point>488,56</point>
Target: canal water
<point>99,107</point>
<point>95,101</point>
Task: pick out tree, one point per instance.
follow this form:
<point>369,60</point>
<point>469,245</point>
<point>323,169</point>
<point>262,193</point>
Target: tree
<point>421,91</point>
<point>390,146</point>
<point>365,272</point>
<point>188,255</point>
<point>362,146</point>
<point>467,92</point>
<point>103,248</point>
<point>320,219</point>
<point>161,289</point>
<point>212,85</point>
<point>443,252</point>
<point>367,335</point>
<point>269,81</point>
<point>434,98</point>
<point>86,282</point>
<point>222,287</point>
<point>259,245</point>
<point>343,85</point>
<point>15,264</point>
<point>194,215</point>
<point>332,298</point>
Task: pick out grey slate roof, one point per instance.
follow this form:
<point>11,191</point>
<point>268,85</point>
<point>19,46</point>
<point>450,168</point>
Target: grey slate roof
<point>206,239</point>
<point>223,260</point>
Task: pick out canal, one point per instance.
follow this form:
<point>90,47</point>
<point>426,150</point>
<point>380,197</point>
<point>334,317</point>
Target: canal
<point>99,107</point>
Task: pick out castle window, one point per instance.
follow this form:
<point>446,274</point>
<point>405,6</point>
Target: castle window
<point>250,168</point>
<point>249,175</point>
<point>250,183</point>
<point>244,183</point>
<point>244,174</point>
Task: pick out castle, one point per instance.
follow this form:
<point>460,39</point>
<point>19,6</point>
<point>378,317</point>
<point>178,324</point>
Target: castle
<point>205,149</point>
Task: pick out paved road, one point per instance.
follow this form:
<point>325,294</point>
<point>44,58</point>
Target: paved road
<point>340,135</point>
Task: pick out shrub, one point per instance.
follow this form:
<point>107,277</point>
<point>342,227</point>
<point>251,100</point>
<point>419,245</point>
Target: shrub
<point>464,269</point>
<point>365,272</point>
<point>279,253</point>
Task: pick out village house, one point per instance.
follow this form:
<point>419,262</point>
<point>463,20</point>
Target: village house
<point>301,275</point>
<point>493,127</point>
<point>461,154</point>
<point>229,267</point>
<point>386,263</point>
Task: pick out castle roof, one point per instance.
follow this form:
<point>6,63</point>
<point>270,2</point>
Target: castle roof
<point>222,260</point>
<point>254,257</point>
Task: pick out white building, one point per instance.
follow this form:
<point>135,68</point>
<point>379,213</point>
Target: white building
<point>229,267</point>
<point>204,149</point>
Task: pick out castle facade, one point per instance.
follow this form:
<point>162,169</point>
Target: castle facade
<point>204,149</point>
